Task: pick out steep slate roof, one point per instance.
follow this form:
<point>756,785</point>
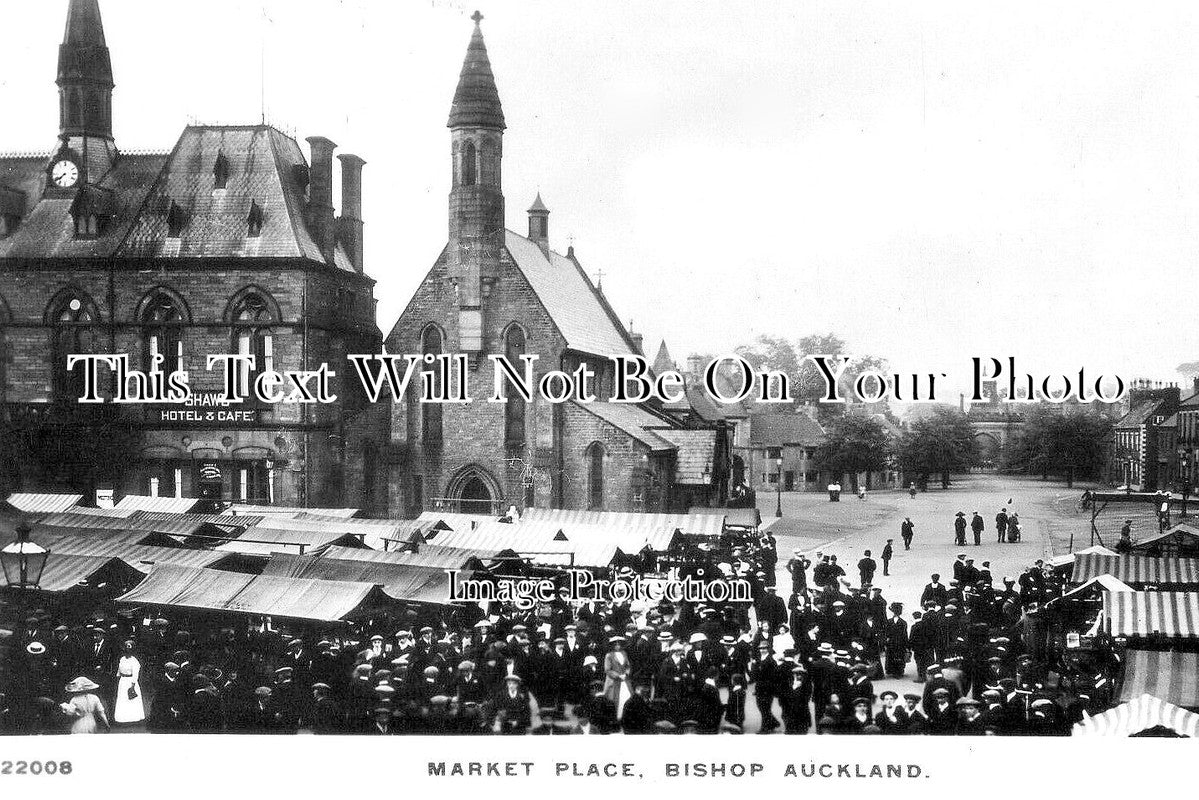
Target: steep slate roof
<point>1139,415</point>
<point>47,229</point>
<point>140,189</point>
<point>778,429</point>
<point>568,296</point>
<point>633,420</point>
<point>696,449</point>
<point>663,362</point>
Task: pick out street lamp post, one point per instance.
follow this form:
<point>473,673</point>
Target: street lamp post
<point>23,562</point>
<point>778,482</point>
<point>1185,479</point>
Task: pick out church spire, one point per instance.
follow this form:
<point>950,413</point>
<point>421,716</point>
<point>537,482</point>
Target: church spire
<point>476,101</point>
<point>84,74</point>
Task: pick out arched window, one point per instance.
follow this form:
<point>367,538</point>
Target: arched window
<point>514,410</point>
<point>469,167</point>
<point>162,322</point>
<point>72,316</point>
<point>252,335</point>
<point>595,477</point>
<point>431,344</point>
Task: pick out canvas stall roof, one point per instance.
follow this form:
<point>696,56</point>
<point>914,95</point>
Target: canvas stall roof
<point>455,521</point>
<point>371,532</point>
<point>399,581</point>
<point>34,503</point>
<point>428,556</point>
<point>1172,676</point>
<point>1096,585</point>
<point>1067,559</point>
<point>138,502</point>
<point>173,524</point>
<point>117,513</point>
<point>261,541</point>
<point>64,572</point>
<point>706,524</point>
<point>539,543</point>
<point>227,521</point>
<point>52,537</point>
<point>741,517</point>
<point>140,557</point>
<point>1182,531</point>
<point>1137,569</point>
<point>1138,715</point>
<point>1142,614</point>
<point>216,590</point>
<point>695,450</point>
<point>292,511</point>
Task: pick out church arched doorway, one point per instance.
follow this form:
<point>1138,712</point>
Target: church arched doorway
<point>474,491</point>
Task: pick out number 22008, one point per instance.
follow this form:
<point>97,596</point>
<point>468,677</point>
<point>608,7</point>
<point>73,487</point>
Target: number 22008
<point>35,767</point>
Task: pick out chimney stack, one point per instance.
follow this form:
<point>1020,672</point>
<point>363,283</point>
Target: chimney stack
<point>320,195</point>
<point>695,365</point>
<point>638,340</point>
<point>539,224</point>
<point>349,224</point>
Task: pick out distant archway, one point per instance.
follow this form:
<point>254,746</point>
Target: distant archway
<point>474,490</point>
<point>989,448</point>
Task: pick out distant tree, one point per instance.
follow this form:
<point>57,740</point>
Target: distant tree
<point>940,444</point>
<point>854,444</point>
<point>807,381</point>
<point>1070,444</point>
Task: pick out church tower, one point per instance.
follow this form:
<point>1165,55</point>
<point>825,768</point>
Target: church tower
<point>476,198</point>
<point>85,94</point>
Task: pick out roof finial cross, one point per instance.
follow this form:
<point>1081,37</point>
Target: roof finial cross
<point>477,17</point>
<point>599,279</point>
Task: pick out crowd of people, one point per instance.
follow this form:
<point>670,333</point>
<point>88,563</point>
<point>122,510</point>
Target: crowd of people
<point>807,663</point>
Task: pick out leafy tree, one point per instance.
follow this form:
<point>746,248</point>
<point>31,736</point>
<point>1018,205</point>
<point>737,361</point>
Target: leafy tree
<point>807,380</point>
<point>1066,443</point>
<point>940,444</point>
<point>854,444</point>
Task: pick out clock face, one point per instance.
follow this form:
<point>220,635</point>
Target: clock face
<point>64,174</point>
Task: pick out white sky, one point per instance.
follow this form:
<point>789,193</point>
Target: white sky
<point>932,181</point>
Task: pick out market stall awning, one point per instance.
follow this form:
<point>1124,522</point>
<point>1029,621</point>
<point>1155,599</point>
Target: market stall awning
<point>710,524</point>
<point>263,595</point>
<point>170,505</point>
<point>1169,675</point>
<point>399,581</point>
<point>265,541</point>
<point>1138,715</point>
<point>427,556</point>
<point>64,572</point>
<point>1142,614</point>
<point>44,503</point>
<point>286,511</point>
<point>1066,559</point>
<point>1136,569</point>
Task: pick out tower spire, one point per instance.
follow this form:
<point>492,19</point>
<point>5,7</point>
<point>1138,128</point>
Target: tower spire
<point>84,74</point>
<point>476,101</point>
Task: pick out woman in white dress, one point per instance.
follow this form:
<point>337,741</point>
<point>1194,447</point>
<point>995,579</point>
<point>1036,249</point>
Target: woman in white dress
<point>129,707</point>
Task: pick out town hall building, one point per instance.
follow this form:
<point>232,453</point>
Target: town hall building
<point>227,243</point>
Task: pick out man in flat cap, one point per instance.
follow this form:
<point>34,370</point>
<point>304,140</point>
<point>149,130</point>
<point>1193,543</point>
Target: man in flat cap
<point>512,707</point>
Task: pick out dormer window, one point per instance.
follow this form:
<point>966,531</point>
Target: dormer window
<point>87,225</point>
<point>176,219</point>
<point>254,220</point>
<point>220,172</point>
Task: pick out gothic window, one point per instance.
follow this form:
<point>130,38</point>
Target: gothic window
<point>87,225</point>
<point>72,317</point>
<point>220,172</point>
<point>595,477</point>
<point>469,167</point>
<point>162,323</point>
<point>514,410</point>
<point>431,344</point>
<point>252,335</point>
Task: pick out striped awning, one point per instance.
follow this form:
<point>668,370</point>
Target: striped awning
<point>1141,614</point>
<point>1136,569</point>
<point>1171,676</point>
<point>47,503</point>
<point>1138,715</point>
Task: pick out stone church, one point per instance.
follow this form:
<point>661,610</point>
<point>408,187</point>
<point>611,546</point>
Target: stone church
<point>226,243</point>
<point>495,291</point>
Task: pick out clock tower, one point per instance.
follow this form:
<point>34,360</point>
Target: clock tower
<point>86,150</point>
